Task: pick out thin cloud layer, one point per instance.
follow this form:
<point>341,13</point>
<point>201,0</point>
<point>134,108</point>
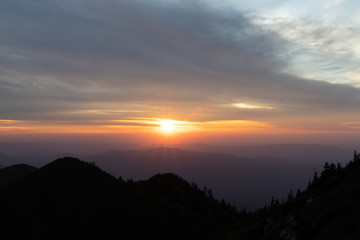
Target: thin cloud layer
<point>321,50</point>
<point>63,60</point>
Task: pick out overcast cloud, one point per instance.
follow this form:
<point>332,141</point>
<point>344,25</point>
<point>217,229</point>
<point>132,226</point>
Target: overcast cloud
<point>61,57</point>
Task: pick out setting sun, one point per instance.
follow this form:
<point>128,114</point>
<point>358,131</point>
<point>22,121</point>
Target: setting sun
<point>167,126</point>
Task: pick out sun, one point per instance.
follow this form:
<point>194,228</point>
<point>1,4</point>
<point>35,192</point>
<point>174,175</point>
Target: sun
<point>170,127</point>
<point>167,125</point>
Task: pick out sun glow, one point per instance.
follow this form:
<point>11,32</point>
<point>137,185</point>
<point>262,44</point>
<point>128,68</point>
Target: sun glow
<point>168,126</point>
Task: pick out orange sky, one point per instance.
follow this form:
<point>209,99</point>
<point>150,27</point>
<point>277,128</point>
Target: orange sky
<point>151,132</point>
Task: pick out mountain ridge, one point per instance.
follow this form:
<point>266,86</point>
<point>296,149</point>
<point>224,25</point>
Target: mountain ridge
<point>70,193</point>
<point>69,197</point>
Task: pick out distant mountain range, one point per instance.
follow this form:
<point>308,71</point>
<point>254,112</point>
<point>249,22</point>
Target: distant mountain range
<point>293,153</point>
<point>247,176</point>
<point>69,198</point>
<point>245,182</point>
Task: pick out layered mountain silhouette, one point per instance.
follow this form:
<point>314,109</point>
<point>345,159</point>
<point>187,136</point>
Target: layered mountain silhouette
<point>245,182</point>
<point>69,198</point>
<point>247,176</point>
<point>284,152</point>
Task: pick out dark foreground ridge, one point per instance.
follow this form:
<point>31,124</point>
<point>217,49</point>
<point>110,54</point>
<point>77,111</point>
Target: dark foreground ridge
<point>69,198</point>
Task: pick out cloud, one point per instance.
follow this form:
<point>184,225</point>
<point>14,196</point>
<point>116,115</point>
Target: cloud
<point>250,106</point>
<point>150,57</point>
<point>333,3</point>
<point>324,50</point>
<point>352,125</point>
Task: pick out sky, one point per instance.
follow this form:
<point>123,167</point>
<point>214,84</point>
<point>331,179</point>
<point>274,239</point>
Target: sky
<point>188,68</point>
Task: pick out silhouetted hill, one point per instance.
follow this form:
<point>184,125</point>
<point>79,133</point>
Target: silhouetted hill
<point>327,209</point>
<point>14,173</point>
<point>70,198</point>
<point>64,194</point>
